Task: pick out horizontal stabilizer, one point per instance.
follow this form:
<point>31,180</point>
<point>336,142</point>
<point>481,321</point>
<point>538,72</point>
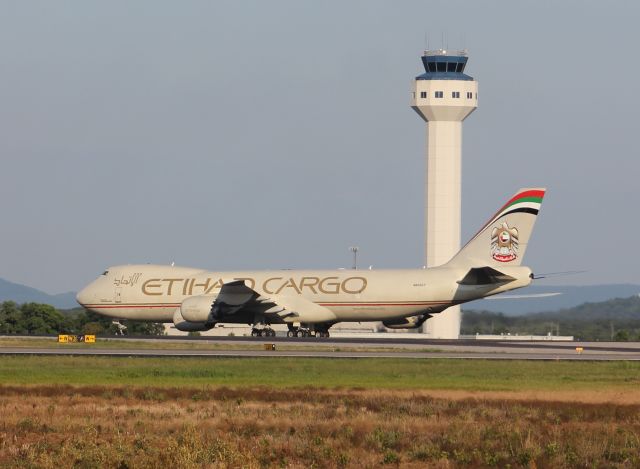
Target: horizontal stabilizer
<point>485,276</point>
<point>517,297</point>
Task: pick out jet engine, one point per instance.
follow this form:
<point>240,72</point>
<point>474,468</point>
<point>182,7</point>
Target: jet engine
<point>194,314</point>
<point>412,322</point>
<point>197,308</point>
<point>187,326</point>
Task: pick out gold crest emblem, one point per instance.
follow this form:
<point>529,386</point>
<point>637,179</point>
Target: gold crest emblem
<point>504,243</point>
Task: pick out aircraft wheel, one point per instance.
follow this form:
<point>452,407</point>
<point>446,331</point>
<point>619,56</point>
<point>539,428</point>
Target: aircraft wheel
<point>290,334</point>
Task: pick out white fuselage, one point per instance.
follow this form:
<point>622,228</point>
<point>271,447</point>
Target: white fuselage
<point>154,292</point>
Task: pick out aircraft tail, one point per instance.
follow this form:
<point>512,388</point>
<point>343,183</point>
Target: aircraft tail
<point>503,240</point>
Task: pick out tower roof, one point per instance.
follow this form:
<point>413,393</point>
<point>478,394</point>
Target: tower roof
<point>442,64</point>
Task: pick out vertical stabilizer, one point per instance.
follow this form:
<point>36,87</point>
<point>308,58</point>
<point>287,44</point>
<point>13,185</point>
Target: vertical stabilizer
<point>503,240</point>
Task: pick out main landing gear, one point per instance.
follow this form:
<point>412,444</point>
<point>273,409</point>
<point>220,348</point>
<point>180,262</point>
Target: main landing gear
<point>298,332</point>
<point>264,331</point>
<point>306,332</point>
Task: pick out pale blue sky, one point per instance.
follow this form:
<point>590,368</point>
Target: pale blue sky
<point>242,135</point>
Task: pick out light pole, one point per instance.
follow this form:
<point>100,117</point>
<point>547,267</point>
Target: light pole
<point>354,250</point>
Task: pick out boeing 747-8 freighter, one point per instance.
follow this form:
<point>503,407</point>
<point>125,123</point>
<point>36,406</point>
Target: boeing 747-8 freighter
<point>309,302</point>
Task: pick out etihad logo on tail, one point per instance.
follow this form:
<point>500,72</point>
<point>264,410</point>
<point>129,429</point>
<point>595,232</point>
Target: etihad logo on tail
<point>504,243</point>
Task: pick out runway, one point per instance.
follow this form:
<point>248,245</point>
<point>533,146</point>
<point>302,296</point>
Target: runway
<point>347,348</point>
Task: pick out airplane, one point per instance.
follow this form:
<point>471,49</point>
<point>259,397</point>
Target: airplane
<point>309,302</point>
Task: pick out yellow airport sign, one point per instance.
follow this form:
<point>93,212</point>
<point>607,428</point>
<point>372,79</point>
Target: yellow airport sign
<point>68,338</point>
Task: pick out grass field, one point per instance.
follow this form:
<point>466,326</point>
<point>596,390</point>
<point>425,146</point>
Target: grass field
<point>298,412</point>
<point>371,373</point>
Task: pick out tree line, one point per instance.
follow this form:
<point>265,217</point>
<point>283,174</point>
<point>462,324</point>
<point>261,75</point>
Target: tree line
<point>38,318</point>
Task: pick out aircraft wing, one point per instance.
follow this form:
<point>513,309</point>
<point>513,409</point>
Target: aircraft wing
<point>235,297</point>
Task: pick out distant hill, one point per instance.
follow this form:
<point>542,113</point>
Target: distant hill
<point>616,319</point>
<point>571,296</point>
<point>10,291</point>
<point>617,308</point>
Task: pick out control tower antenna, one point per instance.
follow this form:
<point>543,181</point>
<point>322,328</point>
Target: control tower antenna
<point>443,96</point>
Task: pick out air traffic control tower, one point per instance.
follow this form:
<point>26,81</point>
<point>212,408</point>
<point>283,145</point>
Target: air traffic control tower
<point>443,96</point>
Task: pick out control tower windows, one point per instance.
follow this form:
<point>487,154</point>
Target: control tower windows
<point>451,65</point>
<point>455,94</point>
<point>439,94</point>
<point>423,94</point>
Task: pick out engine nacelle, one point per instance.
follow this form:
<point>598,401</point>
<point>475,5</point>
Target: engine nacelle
<point>187,326</point>
<point>412,322</point>
<point>197,308</point>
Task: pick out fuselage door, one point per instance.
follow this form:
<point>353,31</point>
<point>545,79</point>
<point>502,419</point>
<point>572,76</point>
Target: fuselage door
<point>118,295</point>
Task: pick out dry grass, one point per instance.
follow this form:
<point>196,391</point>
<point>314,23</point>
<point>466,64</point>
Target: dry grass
<point>253,427</point>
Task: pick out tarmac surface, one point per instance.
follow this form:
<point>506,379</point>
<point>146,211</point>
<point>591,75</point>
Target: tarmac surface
<point>387,347</point>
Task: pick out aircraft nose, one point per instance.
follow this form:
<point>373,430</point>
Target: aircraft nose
<point>84,296</point>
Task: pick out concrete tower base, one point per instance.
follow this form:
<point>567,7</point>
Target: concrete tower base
<point>444,325</point>
<point>443,212</point>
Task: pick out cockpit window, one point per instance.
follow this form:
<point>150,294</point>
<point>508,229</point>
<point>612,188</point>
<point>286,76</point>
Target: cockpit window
<point>105,272</point>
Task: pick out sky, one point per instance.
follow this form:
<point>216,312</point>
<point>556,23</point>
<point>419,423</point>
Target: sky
<point>236,135</point>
